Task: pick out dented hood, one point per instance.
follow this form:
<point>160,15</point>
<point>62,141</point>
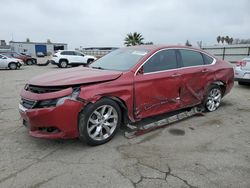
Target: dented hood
<point>74,76</point>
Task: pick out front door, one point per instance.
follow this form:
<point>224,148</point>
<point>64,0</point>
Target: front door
<point>3,62</point>
<point>157,85</point>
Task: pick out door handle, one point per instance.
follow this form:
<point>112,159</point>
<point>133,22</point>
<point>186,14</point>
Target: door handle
<point>204,70</point>
<point>175,75</point>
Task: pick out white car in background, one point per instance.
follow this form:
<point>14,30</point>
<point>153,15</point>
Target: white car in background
<point>242,71</point>
<point>64,58</point>
<point>10,63</point>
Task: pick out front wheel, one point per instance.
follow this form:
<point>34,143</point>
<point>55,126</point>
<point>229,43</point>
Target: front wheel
<point>63,64</point>
<point>99,122</point>
<point>213,98</point>
<point>13,66</point>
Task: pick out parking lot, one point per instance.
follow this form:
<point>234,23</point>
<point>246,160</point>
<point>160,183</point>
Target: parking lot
<point>203,151</point>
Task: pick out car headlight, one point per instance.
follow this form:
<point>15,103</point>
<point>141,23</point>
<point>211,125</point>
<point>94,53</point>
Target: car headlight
<point>59,101</point>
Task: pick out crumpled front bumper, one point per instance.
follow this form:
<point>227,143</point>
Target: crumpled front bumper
<point>61,120</point>
<point>51,122</point>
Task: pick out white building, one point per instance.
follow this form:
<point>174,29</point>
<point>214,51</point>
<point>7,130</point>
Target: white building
<point>32,48</point>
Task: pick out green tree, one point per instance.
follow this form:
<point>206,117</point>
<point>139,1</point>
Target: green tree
<point>133,39</point>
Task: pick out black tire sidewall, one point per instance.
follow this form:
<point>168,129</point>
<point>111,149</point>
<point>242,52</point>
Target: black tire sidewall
<point>207,94</point>
<point>84,116</point>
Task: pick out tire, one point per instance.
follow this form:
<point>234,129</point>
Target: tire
<point>90,61</point>
<point>95,122</point>
<point>63,63</point>
<point>29,62</point>
<point>242,83</point>
<point>213,98</point>
<point>12,66</point>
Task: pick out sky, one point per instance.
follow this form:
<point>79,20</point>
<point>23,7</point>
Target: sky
<point>99,23</point>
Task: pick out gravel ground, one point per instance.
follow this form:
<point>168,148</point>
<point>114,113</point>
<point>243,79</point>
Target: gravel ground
<point>205,151</point>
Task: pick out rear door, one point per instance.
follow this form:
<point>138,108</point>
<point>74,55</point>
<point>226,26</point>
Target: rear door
<point>195,77</point>
<point>157,85</point>
<point>80,58</point>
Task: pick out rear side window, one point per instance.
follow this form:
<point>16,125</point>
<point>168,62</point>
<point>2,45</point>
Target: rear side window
<point>163,60</point>
<point>64,53</point>
<point>207,60</point>
<point>67,53</point>
<point>191,58</point>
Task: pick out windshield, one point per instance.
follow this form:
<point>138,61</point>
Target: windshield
<point>120,60</point>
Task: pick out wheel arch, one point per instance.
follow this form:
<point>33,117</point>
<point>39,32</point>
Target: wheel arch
<point>121,103</point>
<point>221,84</point>
<point>63,59</point>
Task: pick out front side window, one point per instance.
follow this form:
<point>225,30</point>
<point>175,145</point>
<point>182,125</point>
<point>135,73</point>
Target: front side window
<point>163,60</point>
<point>121,60</point>
<point>191,58</point>
<point>78,54</point>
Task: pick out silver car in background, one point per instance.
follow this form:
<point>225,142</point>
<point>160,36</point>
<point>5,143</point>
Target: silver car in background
<point>242,71</point>
<point>10,63</point>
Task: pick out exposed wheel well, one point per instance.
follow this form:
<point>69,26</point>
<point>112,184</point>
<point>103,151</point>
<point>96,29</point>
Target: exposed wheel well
<point>221,85</point>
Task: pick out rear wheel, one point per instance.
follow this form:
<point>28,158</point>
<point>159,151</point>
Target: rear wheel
<point>99,122</point>
<point>13,66</point>
<point>213,98</point>
<point>63,64</point>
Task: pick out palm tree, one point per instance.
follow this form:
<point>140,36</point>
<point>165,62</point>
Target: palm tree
<point>227,39</point>
<point>218,39</point>
<point>231,40</point>
<point>133,39</point>
<point>222,39</point>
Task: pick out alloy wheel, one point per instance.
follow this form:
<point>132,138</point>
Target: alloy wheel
<point>214,99</point>
<point>102,123</point>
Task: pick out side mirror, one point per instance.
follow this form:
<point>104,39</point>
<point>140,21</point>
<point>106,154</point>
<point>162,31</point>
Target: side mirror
<point>140,71</point>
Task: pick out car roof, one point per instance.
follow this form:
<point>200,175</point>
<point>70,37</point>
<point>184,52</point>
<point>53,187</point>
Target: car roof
<point>158,47</point>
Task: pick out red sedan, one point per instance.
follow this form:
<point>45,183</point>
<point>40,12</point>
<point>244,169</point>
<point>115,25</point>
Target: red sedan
<point>126,85</point>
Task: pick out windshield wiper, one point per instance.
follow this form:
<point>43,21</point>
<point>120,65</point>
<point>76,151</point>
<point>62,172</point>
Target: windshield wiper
<point>98,68</point>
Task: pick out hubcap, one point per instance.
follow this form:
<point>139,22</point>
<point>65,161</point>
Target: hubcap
<point>64,64</point>
<point>13,66</point>
<point>213,100</point>
<point>102,122</point>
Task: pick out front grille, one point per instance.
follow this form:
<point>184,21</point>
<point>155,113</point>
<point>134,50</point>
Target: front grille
<point>28,103</point>
<point>39,90</point>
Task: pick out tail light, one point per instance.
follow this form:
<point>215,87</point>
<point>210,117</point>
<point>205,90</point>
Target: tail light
<point>241,64</point>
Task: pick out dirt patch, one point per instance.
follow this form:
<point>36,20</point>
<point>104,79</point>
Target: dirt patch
<point>213,122</point>
<point>243,109</point>
<point>176,132</point>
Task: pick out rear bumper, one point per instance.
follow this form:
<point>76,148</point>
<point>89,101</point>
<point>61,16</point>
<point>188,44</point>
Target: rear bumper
<point>59,122</point>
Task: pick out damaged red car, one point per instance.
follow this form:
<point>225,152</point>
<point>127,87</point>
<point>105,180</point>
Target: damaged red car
<point>127,85</point>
